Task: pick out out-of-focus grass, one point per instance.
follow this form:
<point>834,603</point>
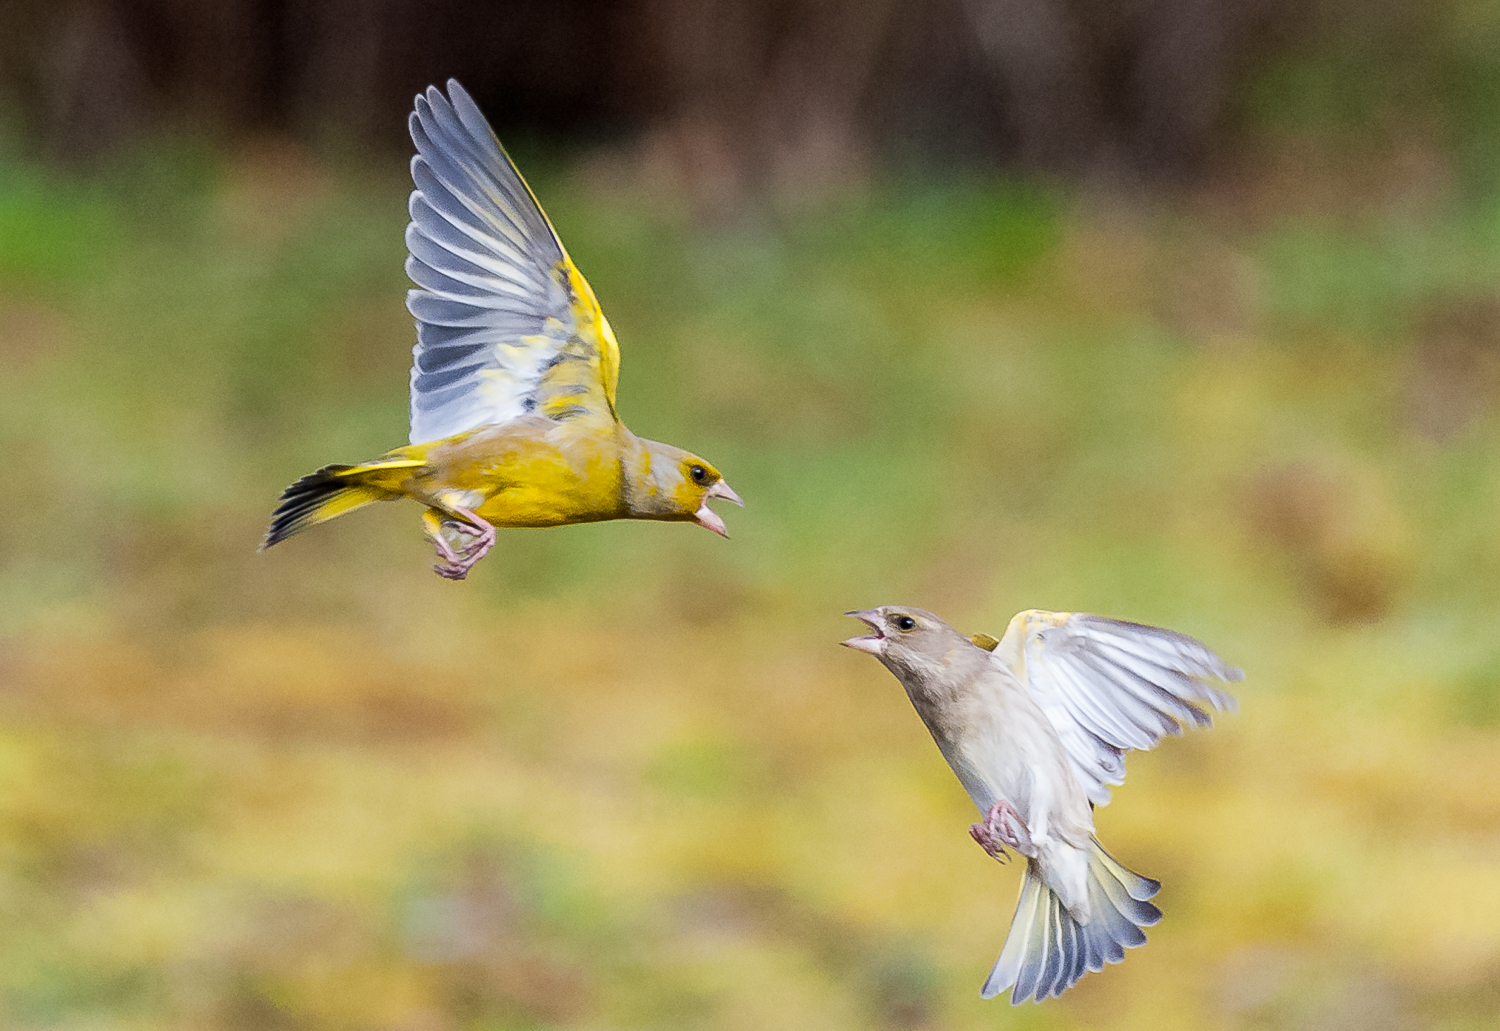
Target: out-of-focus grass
<point>623,777</point>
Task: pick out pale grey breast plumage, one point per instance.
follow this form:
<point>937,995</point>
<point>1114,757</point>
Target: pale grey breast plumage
<point>495,307</point>
<point>1109,686</point>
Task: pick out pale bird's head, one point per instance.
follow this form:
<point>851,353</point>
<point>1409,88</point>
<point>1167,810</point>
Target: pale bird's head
<point>908,640</point>
<point>677,484</point>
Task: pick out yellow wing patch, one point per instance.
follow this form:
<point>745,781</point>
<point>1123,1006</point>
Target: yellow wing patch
<point>1012,647</point>
<point>592,323</point>
<point>579,379</point>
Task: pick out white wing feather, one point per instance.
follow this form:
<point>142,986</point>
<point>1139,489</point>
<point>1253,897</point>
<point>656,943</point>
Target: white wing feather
<point>1109,686</point>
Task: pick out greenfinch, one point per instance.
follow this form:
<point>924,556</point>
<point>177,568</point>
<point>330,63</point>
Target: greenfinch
<point>1036,725</point>
<point>513,418</point>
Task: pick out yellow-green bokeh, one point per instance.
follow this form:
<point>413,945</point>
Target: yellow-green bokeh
<point>623,777</point>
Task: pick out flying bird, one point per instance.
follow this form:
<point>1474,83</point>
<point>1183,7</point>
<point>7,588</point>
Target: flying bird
<point>1036,726</point>
<point>513,376</point>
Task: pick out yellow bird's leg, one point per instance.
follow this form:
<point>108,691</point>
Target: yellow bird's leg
<point>477,527</point>
<point>432,523</point>
<point>456,564</point>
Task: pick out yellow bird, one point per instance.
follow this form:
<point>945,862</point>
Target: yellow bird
<point>513,376</point>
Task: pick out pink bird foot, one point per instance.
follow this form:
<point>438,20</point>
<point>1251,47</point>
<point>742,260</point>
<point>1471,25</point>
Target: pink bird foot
<point>462,529</point>
<point>456,564</point>
<point>1002,826</point>
<point>444,549</point>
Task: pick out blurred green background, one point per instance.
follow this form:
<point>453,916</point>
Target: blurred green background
<point>1231,369</point>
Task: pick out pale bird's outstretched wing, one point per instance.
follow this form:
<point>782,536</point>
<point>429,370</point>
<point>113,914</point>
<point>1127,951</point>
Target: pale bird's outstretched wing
<point>506,325</point>
<point>1109,686</point>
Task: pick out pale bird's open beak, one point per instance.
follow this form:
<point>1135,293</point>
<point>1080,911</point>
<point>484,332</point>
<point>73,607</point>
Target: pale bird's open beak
<point>710,519</point>
<point>873,642</point>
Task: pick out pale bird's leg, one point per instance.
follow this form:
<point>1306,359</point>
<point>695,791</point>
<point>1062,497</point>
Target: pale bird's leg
<point>457,564</point>
<point>1002,826</point>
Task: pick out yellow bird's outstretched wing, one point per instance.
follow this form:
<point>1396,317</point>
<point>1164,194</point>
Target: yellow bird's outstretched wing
<point>506,324</point>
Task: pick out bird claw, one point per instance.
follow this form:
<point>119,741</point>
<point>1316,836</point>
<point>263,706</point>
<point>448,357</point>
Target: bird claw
<point>981,835</point>
<point>457,567</point>
<point>458,561</point>
<point>444,549</point>
<point>1002,826</point>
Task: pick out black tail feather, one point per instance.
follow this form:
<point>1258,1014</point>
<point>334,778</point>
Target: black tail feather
<point>301,501</point>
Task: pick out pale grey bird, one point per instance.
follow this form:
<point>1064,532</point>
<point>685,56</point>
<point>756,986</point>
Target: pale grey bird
<point>1035,726</point>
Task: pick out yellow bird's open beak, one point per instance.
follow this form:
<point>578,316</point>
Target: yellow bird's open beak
<point>707,517</point>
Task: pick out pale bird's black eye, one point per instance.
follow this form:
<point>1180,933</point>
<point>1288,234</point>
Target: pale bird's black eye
<point>905,622</point>
<point>700,474</point>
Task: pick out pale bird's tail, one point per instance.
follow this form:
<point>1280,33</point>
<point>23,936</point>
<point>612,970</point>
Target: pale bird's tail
<point>1047,950</point>
<point>332,491</point>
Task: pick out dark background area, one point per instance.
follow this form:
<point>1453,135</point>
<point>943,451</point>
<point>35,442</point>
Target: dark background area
<point>786,94</point>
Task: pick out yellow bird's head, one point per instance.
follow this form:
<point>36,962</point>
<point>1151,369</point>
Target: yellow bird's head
<point>666,482</point>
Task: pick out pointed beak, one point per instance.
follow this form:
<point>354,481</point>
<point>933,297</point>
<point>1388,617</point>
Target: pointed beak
<point>725,491</point>
<point>873,642</point>
<point>707,517</point>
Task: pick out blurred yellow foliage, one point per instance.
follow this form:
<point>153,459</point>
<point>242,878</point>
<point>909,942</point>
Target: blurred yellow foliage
<point>623,778</point>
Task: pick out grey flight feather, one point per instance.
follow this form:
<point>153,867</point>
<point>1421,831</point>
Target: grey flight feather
<point>1109,686</point>
<point>491,305</point>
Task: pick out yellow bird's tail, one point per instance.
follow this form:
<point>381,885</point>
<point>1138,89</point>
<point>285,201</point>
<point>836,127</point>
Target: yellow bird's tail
<point>332,491</point>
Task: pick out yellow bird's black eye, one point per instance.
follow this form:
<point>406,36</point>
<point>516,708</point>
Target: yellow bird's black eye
<point>905,622</point>
<point>700,474</point>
